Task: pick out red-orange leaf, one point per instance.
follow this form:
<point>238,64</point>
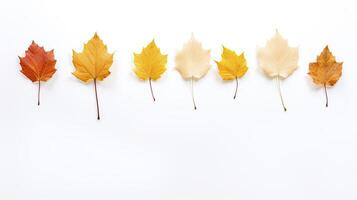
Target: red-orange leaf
<point>38,65</point>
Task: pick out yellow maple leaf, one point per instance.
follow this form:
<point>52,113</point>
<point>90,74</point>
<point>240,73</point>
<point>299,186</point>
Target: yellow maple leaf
<point>93,63</point>
<point>150,64</point>
<point>325,71</point>
<point>232,66</point>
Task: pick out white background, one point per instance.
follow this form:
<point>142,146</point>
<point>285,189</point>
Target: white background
<point>245,149</point>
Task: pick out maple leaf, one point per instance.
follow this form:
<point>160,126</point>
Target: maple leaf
<point>38,65</point>
<point>325,71</point>
<point>150,64</point>
<point>278,60</point>
<point>193,62</point>
<point>232,66</point>
<point>93,63</point>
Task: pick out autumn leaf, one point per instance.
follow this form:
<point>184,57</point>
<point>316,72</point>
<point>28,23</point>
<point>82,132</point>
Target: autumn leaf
<point>38,65</point>
<point>150,64</point>
<point>93,63</point>
<point>193,62</point>
<point>278,60</point>
<point>325,71</point>
<point>232,66</point>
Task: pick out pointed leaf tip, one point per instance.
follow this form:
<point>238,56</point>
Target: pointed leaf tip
<point>96,36</point>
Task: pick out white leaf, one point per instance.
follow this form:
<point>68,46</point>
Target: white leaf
<point>277,58</point>
<point>193,61</point>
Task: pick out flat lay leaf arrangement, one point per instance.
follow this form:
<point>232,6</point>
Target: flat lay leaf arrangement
<point>232,66</point>
<point>38,65</point>
<point>193,63</point>
<point>326,71</point>
<point>278,60</point>
<point>93,63</point>
<point>150,64</point>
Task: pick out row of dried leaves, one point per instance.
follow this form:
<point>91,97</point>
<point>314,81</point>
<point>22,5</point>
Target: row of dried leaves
<point>276,59</point>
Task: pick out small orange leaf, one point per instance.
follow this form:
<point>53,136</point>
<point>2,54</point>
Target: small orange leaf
<point>325,71</point>
<point>38,65</point>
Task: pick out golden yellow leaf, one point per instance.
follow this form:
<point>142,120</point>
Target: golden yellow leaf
<point>232,66</point>
<point>193,62</point>
<point>278,60</point>
<point>325,71</point>
<point>150,64</point>
<point>93,63</point>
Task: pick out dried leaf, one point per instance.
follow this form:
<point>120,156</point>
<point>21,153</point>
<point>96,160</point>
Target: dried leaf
<point>232,66</point>
<point>38,65</point>
<point>93,63</point>
<point>150,64</point>
<point>278,60</point>
<point>193,62</point>
<point>325,71</point>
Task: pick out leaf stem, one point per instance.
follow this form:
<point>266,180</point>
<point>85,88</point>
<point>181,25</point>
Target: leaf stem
<point>235,93</point>
<point>38,92</point>
<point>192,94</point>
<point>326,96</point>
<point>152,93</point>
<point>96,98</point>
<point>281,97</point>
